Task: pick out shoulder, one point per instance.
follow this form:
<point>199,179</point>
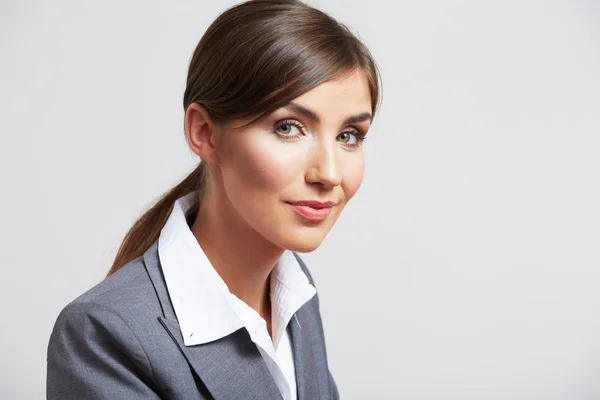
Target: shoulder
<point>127,291</point>
<point>104,324</point>
<point>95,348</point>
<point>120,301</point>
<point>110,289</point>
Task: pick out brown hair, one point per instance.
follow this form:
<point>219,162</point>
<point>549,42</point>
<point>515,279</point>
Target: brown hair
<point>255,58</point>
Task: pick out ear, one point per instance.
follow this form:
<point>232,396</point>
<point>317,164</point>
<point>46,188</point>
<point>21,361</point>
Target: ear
<point>201,133</point>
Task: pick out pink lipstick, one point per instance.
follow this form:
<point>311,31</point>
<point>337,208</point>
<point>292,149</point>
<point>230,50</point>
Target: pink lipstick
<point>312,210</point>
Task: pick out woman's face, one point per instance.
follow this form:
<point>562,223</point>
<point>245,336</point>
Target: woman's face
<point>307,151</point>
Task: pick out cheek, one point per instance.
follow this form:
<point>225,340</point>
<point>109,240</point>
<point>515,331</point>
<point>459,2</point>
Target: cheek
<point>259,163</point>
<point>354,171</point>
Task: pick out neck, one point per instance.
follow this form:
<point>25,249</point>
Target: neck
<point>241,256</point>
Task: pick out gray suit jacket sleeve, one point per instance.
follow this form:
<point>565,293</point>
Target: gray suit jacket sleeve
<point>93,354</point>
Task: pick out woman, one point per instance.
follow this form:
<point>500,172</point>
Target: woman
<point>207,297</point>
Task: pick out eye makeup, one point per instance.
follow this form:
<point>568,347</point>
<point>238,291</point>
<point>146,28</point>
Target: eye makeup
<point>288,124</point>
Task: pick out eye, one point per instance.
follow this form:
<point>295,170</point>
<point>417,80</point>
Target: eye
<point>351,139</point>
<point>288,129</point>
<point>348,137</point>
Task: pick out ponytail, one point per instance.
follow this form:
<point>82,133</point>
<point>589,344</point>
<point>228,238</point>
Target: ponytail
<point>146,230</point>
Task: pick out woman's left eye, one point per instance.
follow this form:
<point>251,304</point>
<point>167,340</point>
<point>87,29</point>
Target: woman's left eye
<point>349,138</point>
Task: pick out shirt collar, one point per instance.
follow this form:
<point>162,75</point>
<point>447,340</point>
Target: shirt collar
<point>205,308</point>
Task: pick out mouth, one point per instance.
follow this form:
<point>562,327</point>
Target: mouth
<point>312,210</point>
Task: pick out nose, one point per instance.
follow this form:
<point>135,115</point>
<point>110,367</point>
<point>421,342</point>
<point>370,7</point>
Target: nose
<point>324,166</point>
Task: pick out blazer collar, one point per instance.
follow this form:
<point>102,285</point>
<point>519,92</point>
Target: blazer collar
<point>233,365</point>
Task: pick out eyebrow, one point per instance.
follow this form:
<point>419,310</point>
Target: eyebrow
<point>366,116</point>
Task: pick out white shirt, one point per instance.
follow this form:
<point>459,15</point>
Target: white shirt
<point>207,310</point>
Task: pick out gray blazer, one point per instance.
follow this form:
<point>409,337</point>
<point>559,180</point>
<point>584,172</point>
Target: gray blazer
<point>121,340</point>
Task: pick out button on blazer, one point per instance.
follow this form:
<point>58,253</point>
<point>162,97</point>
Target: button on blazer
<point>121,340</point>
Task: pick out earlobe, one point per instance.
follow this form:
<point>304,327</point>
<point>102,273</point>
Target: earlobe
<point>200,133</point>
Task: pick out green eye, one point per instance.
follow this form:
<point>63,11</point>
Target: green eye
<point>288,127</point>
<point>284,129</point>
<point>346,137</point>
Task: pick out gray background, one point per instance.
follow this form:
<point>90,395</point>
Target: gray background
<point>468,265</point>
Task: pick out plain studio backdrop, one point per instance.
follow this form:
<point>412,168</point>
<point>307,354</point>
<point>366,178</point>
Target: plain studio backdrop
<point>466,267</point>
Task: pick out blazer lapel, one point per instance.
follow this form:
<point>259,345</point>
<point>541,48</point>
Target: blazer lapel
<point>307,378</point>
<point>232,367</point>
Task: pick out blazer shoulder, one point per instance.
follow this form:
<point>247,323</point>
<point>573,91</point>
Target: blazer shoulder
<point>129,283</point>
<point>127,294</point>
<point>94,352</point>
<point>128,275</point>
<point>95,343</point>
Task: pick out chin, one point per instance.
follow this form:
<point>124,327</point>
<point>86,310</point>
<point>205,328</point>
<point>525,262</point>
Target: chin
<point>302,242</point>
<point>302,247</point>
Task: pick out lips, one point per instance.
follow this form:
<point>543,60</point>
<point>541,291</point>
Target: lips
<point>312,203</point>
<point>312,210</point>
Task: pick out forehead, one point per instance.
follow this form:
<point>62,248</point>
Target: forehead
<point>332,101</point>
<point>336,99</point>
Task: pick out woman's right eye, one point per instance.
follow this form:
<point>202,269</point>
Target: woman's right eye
<point>288,128</point>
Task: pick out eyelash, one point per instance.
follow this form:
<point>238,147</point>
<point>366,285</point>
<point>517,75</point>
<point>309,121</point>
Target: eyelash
<point>360,136</point>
